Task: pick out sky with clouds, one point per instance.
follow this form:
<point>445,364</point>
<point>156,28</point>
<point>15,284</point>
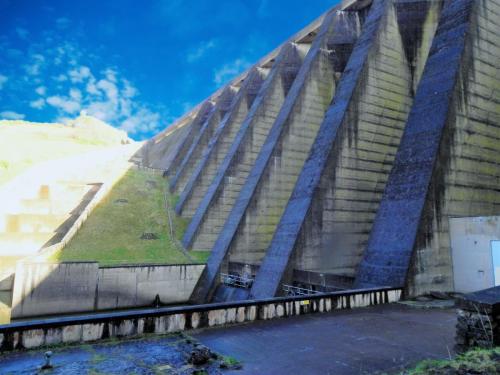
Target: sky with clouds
<point>137,65</point>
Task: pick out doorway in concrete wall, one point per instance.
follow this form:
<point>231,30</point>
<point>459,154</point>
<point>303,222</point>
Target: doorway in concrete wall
<point>475,251</point>
<point>495,256</point>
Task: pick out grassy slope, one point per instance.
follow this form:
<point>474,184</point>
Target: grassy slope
<point>479,361</point>
<point>111,235</point>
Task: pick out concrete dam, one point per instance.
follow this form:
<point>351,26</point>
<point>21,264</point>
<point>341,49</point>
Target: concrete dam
<point>362,152</point>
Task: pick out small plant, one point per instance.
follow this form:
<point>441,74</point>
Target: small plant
<point>230,362</point>
<point>477,361</point>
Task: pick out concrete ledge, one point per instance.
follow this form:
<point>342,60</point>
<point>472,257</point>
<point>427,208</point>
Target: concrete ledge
<point>84,328</point>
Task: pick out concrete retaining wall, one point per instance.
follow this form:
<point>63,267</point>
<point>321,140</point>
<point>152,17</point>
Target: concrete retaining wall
<point>81,329</point>
<point>122,287</point>
<point>46,289</point>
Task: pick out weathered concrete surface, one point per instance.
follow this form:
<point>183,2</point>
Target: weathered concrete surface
<point>198,145</point>
<point>273,177</point>
<point>173,147</point>
<point>448,159</point>
<point>349,160</point>
<point>154,355</point>
<point>330,212</point>
<point>221,195</point>
<point>31,334</point>
<point>383,339</point>
<point>251,223</point>
<point>447,164</point>
<point>219,145</point>
<point>133,286</point>
<point>46,289</point>
<point>41,288</point>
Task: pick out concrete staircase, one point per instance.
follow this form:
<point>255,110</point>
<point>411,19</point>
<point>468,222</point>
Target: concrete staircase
<point>42,204</point>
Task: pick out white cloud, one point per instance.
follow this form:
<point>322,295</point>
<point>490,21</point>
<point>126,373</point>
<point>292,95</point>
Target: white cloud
<point>72,85</point>
<point>34,68</point>
<point>41,90</point>
<point>92,89</point>
<point>129,90</point>
<point>37,104</point>
<point>104,111</point>
<point>230,70</point>
<point>63,23</point>
<point>200,51</point>
<point>3,80</point>
<point>63,120</point>
<point>11,115</point>
<point>60,78</point>
<point>64,104</point>
<point>109,88</point>
<point>143,121</point>
<point>110,75</point>
<point>75,94</point>
<point>80,74</point>
<point>22,33</point>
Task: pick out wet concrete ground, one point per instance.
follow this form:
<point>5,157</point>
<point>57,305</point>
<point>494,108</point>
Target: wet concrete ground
<point>151,355</point>
<point>382,339</point>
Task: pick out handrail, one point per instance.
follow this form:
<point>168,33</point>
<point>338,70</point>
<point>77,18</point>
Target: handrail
<point>297,291</point>
<point>236,280</point>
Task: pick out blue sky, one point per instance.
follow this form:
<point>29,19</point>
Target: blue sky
<point>138,65</point>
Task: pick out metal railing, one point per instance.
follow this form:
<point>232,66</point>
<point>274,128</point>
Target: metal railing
<point>236,281</point>
<point>291,290</point>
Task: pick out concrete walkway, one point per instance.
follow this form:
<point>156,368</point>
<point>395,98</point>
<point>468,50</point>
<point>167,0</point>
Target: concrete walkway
<point>382,339</point>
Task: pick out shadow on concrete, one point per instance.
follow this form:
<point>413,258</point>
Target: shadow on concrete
<point>62,229</point>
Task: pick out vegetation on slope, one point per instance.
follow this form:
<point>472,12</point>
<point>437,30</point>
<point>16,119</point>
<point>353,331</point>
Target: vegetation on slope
<point>478,361</point>
<point>135,208</point>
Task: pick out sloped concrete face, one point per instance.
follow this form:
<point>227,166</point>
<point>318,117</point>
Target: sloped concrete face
<point>327,220</point>
<point>349,151</point>
<point>251,223</point>
<point>221,195</point>
<point>200,142</point>
<point>219,145</point>
<point>448,158</point>
<point>160,151</point>
<point>178,144</point>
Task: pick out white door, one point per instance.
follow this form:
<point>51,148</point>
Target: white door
<point>495,256</point>
<point>475,246</point>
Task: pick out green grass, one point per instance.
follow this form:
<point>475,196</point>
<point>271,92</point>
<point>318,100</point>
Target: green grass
<point>477,361</point>
<point>111,235</point>
<point>230,361</point>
